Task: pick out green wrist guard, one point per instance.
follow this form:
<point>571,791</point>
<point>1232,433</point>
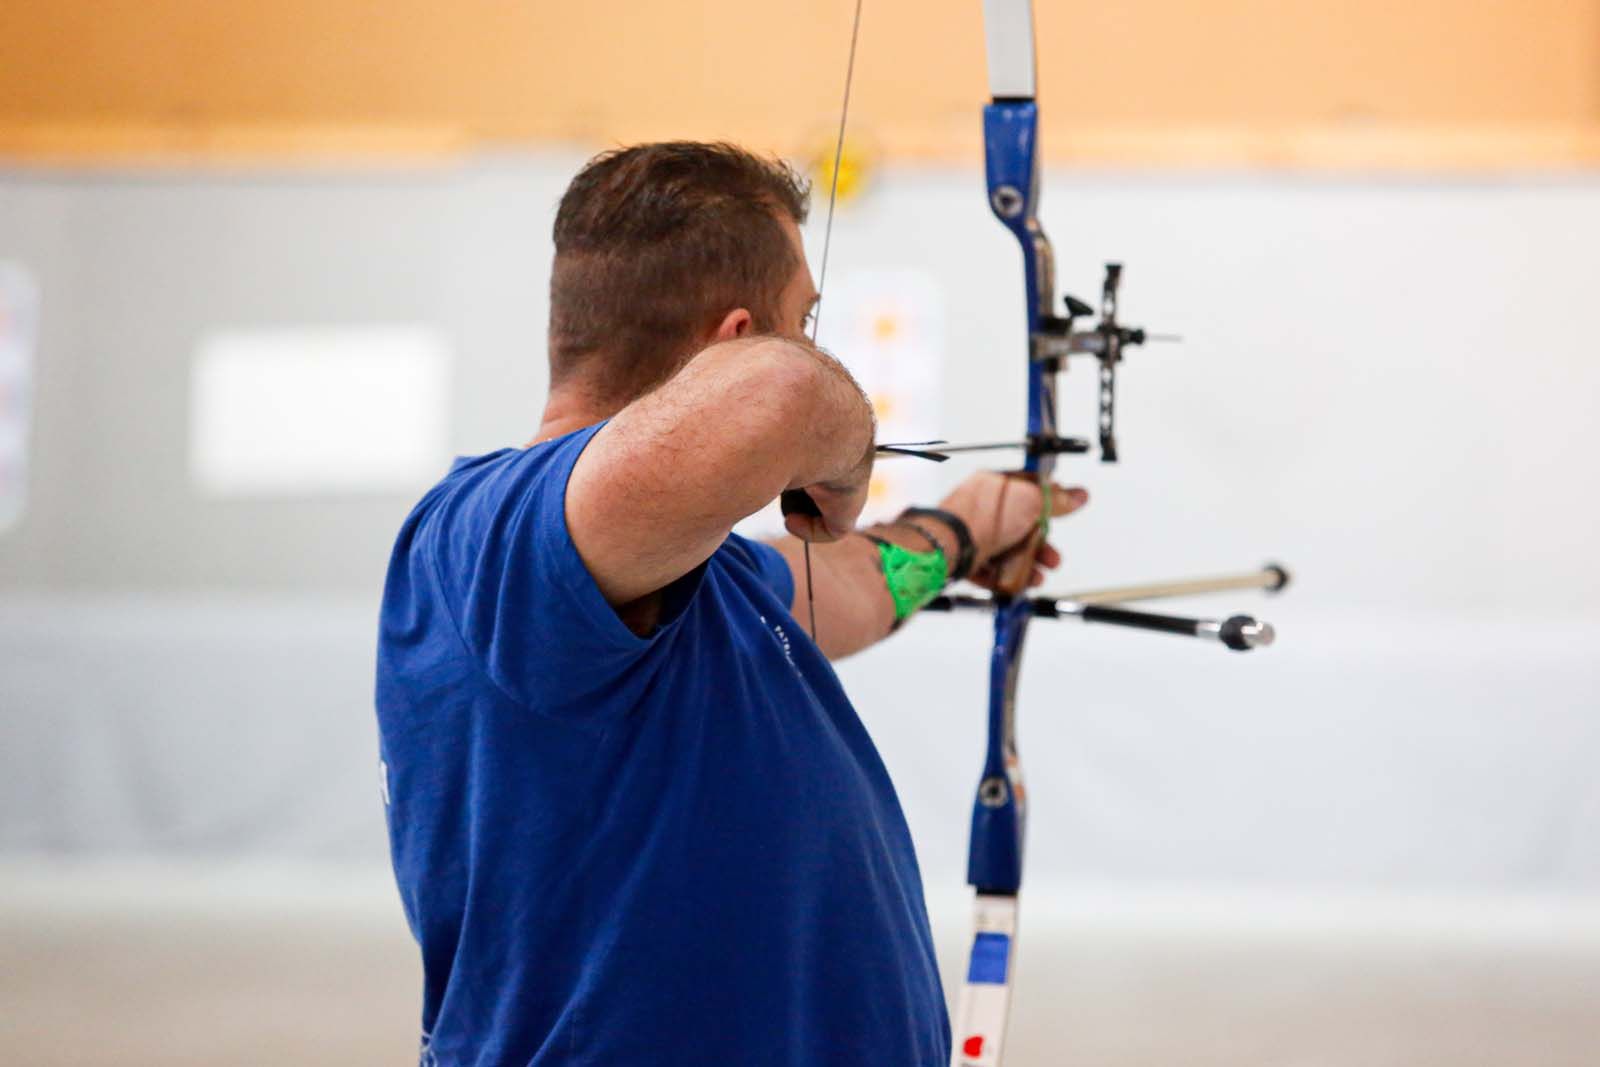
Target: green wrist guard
<point>913,578</point>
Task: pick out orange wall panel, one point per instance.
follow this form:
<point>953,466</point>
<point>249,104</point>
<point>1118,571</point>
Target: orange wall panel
<point>1159,81</point>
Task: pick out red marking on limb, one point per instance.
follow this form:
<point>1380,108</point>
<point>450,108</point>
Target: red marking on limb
<point>973,1046</point>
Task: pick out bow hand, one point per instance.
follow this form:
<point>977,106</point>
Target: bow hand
<point>1009,515</point>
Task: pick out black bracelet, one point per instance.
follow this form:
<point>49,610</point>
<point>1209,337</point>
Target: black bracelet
<point>967,549</point>
<point>916,528</point>
<point>922,532</point>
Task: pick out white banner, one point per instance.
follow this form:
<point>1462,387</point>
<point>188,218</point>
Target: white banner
<point>19,331</point>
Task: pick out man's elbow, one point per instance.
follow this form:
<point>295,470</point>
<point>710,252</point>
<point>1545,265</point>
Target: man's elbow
<point>773,389</point>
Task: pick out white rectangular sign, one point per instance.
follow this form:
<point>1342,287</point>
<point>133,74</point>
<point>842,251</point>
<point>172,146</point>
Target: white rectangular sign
<point>319,410</point>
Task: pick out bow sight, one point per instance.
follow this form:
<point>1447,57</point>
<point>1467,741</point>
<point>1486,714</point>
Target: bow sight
<point>1056,339</point>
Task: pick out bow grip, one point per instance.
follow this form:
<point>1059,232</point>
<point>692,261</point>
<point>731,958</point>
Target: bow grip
<point>1013,569</point>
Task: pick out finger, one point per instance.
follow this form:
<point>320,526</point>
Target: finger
<point>812,528</point>
<point>1064,500</point>
<point>804,527</point>
<point>837,528</point>
<point>1037,579</point>
<point>821,535</point>
<point>1049,556</point>
<point>837,509</point>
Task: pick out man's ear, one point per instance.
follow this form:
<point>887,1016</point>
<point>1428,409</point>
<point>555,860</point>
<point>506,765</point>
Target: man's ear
<point>736,323</point>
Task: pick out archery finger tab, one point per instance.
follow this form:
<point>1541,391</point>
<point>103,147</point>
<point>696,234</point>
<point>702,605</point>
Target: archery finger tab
<point>798,502</point>
<point>801,516</point>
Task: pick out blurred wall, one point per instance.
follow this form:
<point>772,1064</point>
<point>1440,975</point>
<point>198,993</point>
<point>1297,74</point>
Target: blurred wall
<point>136,271</point>
<point>1387,384</point>
<point>1392,367</point>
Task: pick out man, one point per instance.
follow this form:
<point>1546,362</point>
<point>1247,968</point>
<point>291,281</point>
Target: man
<point>634,818</point>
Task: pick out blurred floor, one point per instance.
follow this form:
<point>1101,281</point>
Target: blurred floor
<point>185,966</point>
<point>137,964</point>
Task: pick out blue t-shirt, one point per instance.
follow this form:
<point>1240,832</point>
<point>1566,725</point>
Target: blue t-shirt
<point>615,850</point>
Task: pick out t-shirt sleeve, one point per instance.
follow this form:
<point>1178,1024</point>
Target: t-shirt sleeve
<point>768,564</point>
<point>522,599</point>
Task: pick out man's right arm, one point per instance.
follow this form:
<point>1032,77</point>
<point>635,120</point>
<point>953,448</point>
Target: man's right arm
<point>662,484</point>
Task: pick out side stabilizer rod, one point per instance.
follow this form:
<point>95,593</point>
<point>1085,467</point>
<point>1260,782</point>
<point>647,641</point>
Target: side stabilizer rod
<point>1269,577</point>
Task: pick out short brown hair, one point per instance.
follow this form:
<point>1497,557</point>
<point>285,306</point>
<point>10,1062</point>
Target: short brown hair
<point>654,243</point>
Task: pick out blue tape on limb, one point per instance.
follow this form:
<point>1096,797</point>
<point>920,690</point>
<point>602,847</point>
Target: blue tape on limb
<point>989,955</point>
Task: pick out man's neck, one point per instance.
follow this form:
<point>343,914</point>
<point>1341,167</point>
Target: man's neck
<point>570,409</point>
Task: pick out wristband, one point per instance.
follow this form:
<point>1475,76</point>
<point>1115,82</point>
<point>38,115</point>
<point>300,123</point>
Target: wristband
<point>913,578</point>
<point>966,547</point>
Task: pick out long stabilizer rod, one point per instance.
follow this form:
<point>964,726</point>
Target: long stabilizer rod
<point>1241,633</point>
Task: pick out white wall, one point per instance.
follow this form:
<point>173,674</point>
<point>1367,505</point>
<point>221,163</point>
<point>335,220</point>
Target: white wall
<point>1387,385</point>
<point>1390,384</point>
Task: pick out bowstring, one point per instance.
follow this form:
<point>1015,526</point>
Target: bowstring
<point>827,243</point>
<point>833,183</point>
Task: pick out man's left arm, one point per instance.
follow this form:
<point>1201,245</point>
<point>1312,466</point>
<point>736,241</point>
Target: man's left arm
<point>855,604</point>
